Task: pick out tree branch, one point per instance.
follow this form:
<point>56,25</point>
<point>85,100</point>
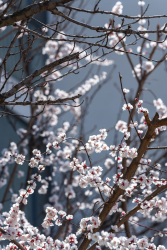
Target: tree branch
<point>48,102</point>
<point>128,175</point>
<point>135,209</point>
<point>112,13</point>
<point>33,9</point>
<point>37,73</point>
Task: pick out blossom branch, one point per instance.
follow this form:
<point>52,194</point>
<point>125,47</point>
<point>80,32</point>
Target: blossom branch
<point>120,78</point>
<point>138,207</point>
<point>128,175</point>
<point>13,241</point>
<point>48,102</point>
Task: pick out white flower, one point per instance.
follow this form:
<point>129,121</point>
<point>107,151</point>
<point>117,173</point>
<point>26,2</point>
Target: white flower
<point>83,222</point>
<point>108,163</point>
<point>148,66</point>
<point>62,213</point>
<point>20,159</point>
<point>141,110</point>
<point>83,183</point>
<point>139,103</point>
<point>95,221</point>
<point>121,126</point>
<point>12,232</point>
<point>33,162</point>
<point>142,243</point>
<point>123,184</point>
<point>141,3</point>
<point>95,236</point>
<point>117,9</point>
<point>125,91</point>
<point>127,135</point>
<point>160,247</point>
<point>115,228</point>
<point>58,222</point>
<point>44,29</point>
<point>127,106</point>
<point>62,136</point>
<point>55,145</point>
<point>69,217</point>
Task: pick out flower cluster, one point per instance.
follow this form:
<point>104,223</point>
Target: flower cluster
<point>53,215</point>
<point>88,224</point>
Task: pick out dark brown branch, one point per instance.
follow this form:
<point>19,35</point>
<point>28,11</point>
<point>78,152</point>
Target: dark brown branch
<point>33,9</point>
<point>97,44</point>
<point>102,29</point>
<point>147,118</point>
<point>112,13</point>
<point>165,147</point>
<point>37,73</point>
<point>49,102</point>
<point>126,223</point>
